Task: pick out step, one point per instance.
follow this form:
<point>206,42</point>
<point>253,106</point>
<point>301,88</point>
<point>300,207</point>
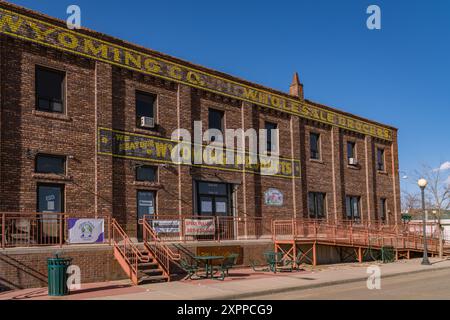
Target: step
<point>148,265</point>
<point>150,272</point>
<point>150,279</point>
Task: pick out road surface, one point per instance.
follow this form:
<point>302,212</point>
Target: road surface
<point>426,285</point>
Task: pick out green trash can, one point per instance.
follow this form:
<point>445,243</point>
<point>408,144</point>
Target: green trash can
<point>388,254</point>
<point>57,276</point>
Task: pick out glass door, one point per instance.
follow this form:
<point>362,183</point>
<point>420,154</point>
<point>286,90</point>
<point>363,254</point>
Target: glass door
<point>145,208</point>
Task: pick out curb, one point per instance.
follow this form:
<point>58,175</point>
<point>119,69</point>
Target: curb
<point>312,286</point>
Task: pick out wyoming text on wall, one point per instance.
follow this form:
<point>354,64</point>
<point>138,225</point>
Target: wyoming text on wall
<point>61,38</point>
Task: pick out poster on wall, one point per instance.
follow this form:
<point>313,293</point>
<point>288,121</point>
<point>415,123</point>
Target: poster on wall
<point>199,227</point>
<point>86,230</point>
<point>273,197</point>
<point>166,226</point>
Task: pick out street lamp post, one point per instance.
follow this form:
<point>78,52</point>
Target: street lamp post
<point>423,184</point>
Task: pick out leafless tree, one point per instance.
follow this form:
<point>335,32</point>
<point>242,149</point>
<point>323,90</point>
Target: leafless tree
<point>437,192</point>
<point>410,201</point>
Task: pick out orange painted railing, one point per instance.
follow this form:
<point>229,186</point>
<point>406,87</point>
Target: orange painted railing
<point>171,228</point>
<point>40,229</point>
<point>126,252</point>
<point>353,233</point>
<point>160,251</point>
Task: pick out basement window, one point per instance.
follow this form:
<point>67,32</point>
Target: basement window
<point>49,90</point>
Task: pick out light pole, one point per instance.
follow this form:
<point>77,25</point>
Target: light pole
<point>423,184</point>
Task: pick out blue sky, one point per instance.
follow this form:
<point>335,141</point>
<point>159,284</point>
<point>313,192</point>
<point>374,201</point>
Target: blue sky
<point>398,75</point>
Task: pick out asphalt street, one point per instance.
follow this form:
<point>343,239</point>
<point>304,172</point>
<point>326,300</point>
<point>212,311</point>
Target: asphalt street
<point>426,285</point>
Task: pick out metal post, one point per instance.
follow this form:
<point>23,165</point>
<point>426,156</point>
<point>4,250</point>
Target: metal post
<point>425,260</point>
<point>3,231</point>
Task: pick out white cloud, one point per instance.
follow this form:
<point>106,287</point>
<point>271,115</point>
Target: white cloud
<point>444,166</point>
<point>447,181</point>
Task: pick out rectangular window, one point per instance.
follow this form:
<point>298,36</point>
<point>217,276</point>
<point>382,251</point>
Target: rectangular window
<point>49,90</point>
<point>316,204</point>
<point>380,159</point>
<point>351,151</point>
<point>146,173</point>
<point>50,198</point>
<point>353,209</point>
<point>215,121</point>
<point>383,209</point>
<point>272,144</point>
<point>145,107</point>
<point>314,140</point>
<point>50,164</point>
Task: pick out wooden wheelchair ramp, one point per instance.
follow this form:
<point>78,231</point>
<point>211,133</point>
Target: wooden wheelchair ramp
<point>298,240</point>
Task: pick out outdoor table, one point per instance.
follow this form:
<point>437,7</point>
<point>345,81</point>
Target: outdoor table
<point>207,260</point>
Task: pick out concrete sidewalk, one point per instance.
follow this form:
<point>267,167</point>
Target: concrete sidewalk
<point>243,283</point>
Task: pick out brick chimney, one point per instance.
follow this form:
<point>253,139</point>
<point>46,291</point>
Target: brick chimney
<point>296,88</point>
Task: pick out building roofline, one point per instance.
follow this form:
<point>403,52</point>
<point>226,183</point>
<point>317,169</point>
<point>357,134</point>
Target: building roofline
<point>129,45</point>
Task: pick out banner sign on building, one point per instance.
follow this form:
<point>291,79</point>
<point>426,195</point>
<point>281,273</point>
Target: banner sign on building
<point>86,230</point>
<point>148,148</point>
<point>273,197</point>
<point>166,226</point>
<point>199,227</point>
<point>145,61</point>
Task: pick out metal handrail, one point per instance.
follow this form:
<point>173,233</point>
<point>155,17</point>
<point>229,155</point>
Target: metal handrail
<point>126,244</point>
<point>161,252</point>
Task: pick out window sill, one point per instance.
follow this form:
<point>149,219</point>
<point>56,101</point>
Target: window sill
<point>316,161</point>
<point>52,115</point>
<point>148,132</point>
<point>51,177</point>
<point>353,167</point>
<point>382,172</point>
<point>148,185</point>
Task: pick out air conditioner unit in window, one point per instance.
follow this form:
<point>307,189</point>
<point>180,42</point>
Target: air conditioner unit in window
<point>147,122</point>
<point>352,161</point>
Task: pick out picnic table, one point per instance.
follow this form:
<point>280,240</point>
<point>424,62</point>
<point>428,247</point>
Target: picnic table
<point>208,261</point>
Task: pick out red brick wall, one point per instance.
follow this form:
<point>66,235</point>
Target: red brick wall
<point>99,95</point>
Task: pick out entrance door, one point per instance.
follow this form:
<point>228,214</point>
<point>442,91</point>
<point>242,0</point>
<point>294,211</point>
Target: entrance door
<point>145,207</point>
<point>50,201</point>
<point>213,199</point>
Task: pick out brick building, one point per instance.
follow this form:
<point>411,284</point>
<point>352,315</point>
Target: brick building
<point>86,123</point>
<point>72,103</point>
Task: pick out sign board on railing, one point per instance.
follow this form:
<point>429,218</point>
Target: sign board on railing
<point>166,226</point>
<point>86,230</point>
<point>199,227</point>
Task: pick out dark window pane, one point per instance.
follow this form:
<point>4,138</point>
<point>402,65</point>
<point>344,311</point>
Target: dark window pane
<point>50,164</point>
<point>145,106</point>
<point>50,198</point>
<point>311,205</point>
<point>352,208</point>
<point>215,119</point>
<point>49,90</point>
<point>146,203</point>
<point>206,188</point>
<point>350,150</point>
<point>146,173</point>
<point>316,205</point>
<point>383,209</point>
<point>271,144</point>
<point>314,146</point>
<point>380,159</point>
